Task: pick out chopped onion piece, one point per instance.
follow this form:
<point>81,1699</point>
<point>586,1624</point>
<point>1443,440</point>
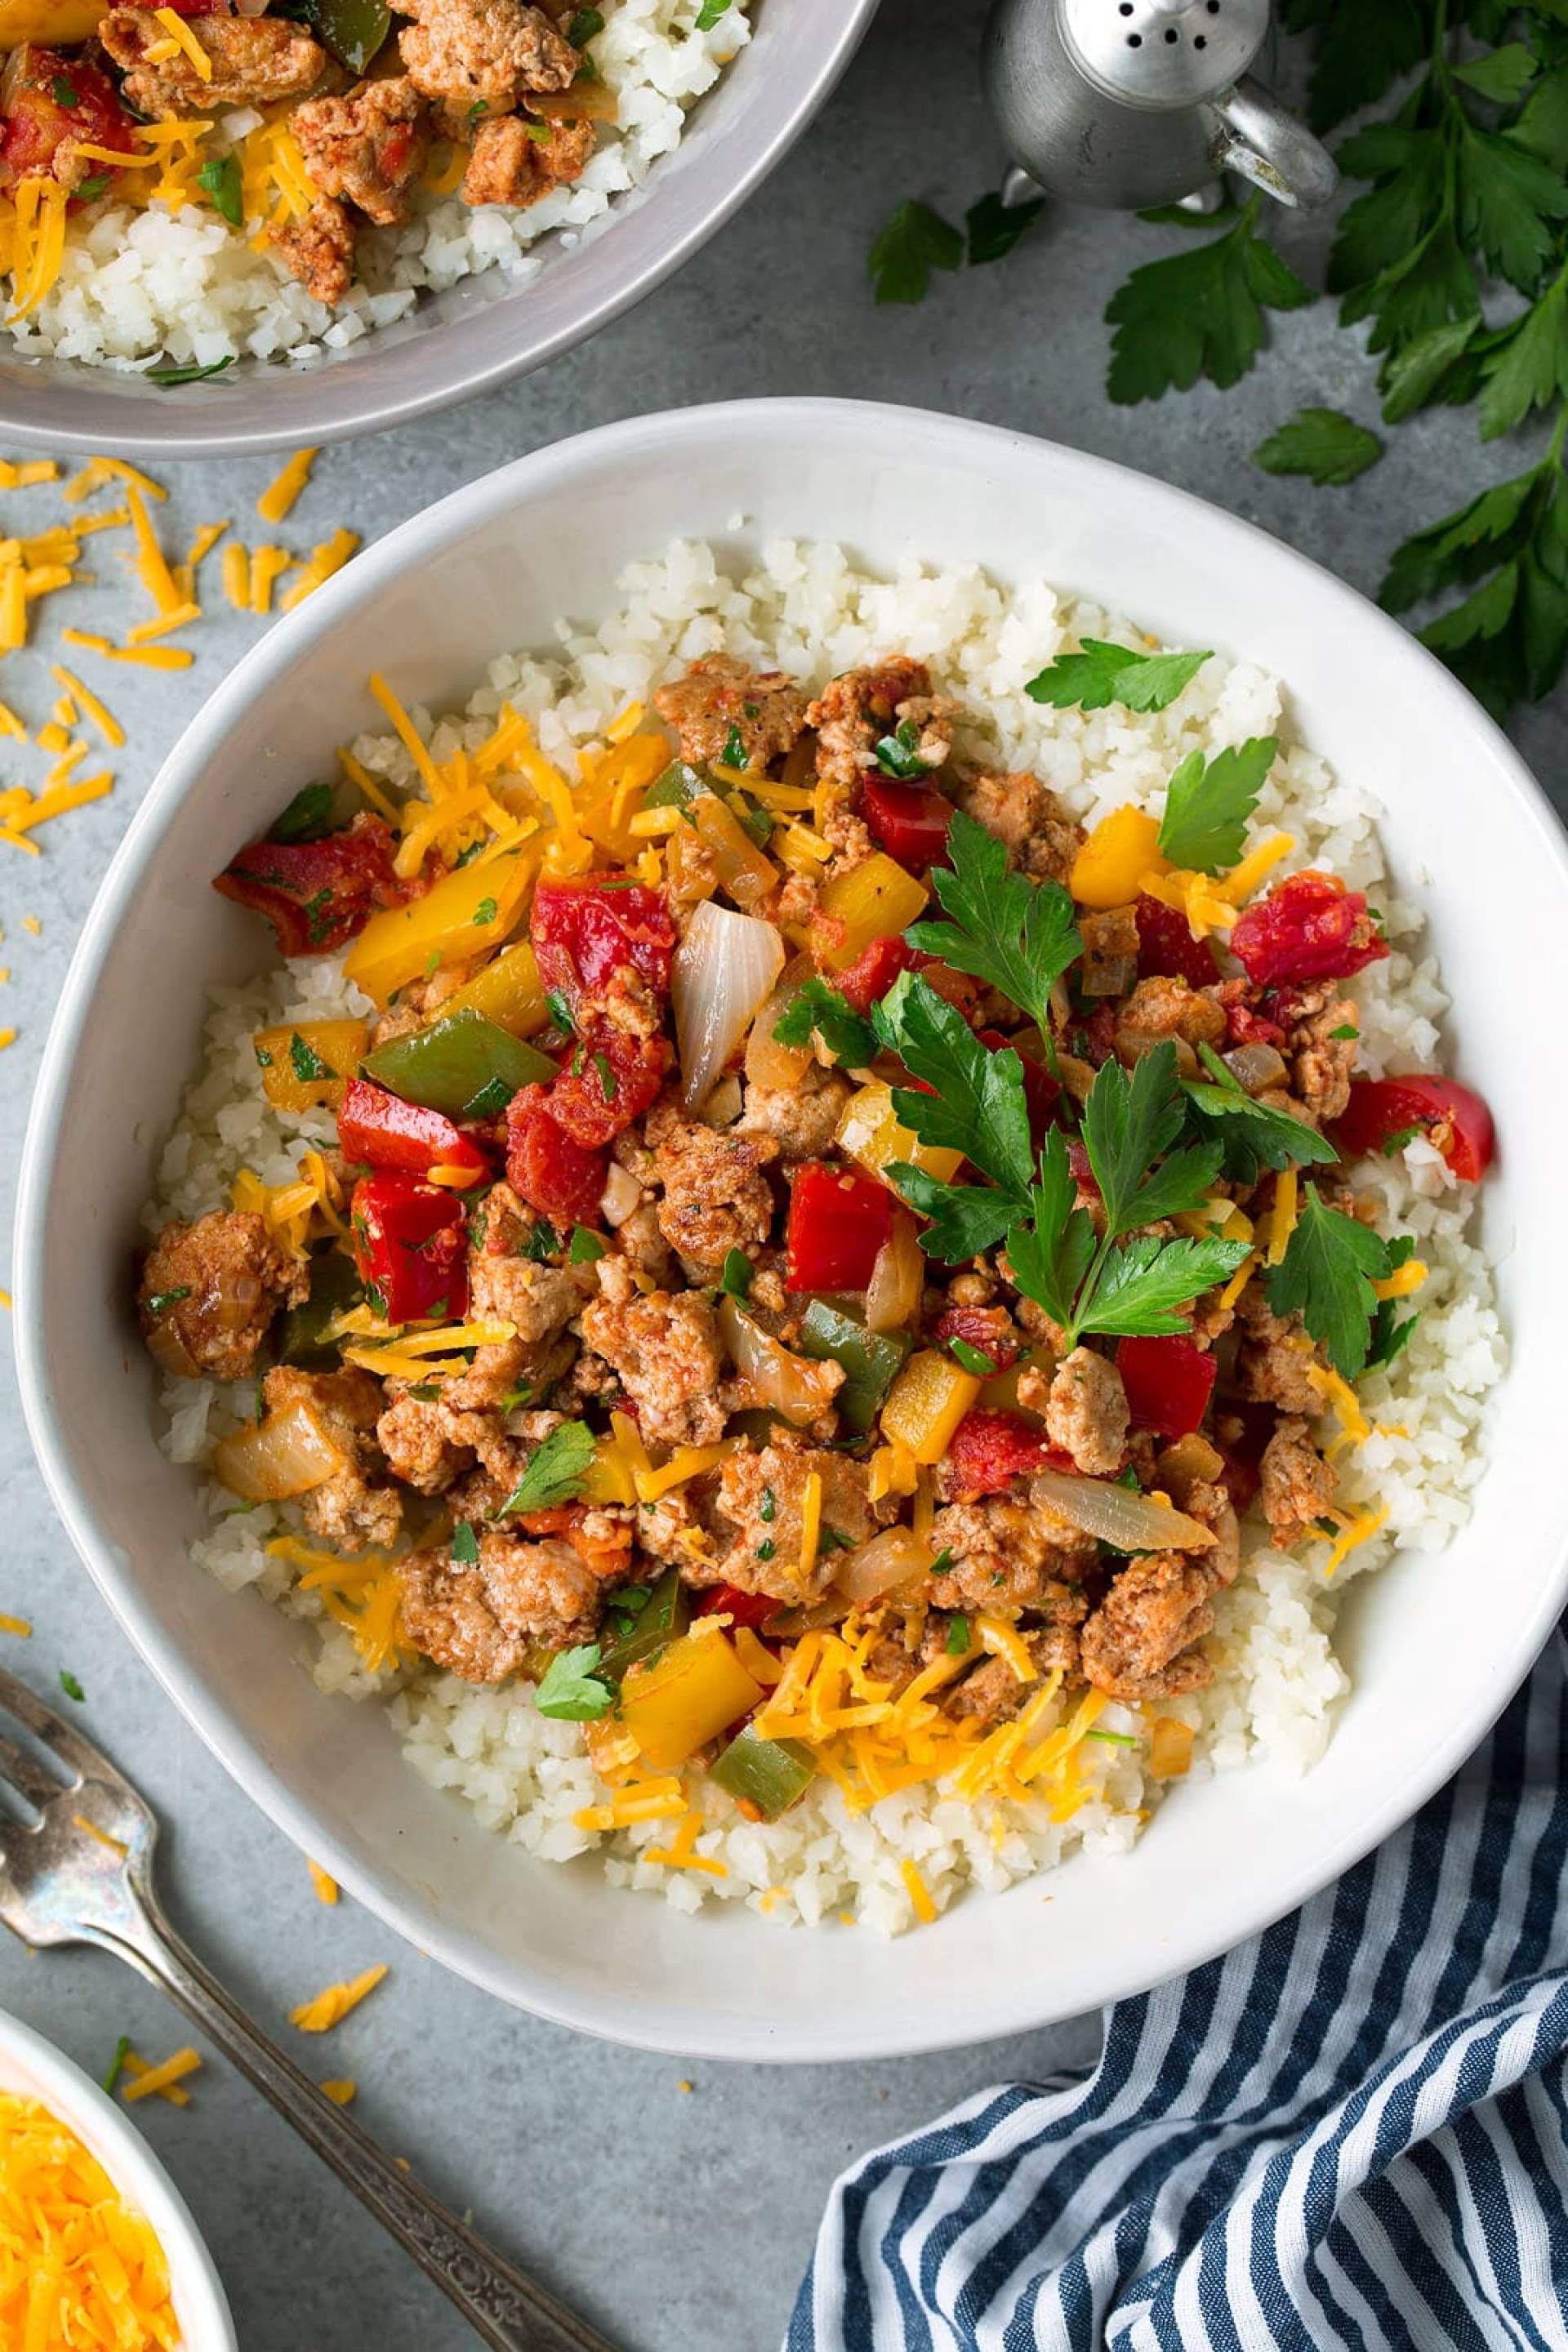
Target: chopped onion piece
<point>1118,1515</point>
<point>1256,1068</point>
<point>620,1196</point>
<point>288,1453</point>
<point>895,1557</point>
<point>724,969</point>
<point>774,1066</point>
<point>898,1279</point>
<point>723,1105</point>
<point>787,1382</point>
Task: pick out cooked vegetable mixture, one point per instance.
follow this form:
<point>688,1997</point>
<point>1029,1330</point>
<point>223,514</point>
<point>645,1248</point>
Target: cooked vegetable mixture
<point>822,1250</point>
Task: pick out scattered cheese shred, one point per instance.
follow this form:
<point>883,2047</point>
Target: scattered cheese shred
<point>135,2066</point>
<point>685,1461</point>
<point>79,2266</point>
<point>150,564</point>
<point>115,1845</point>
<point>1282,1216</point>
<point>1402,1281</point>
<point>340,2092</point>
<point>332,2006</point>
<point>1004,1641</point>
<point>99,470</point>
<point>108,726</point>
<point>143,657</point>
<point>267,565</point>
<point>160,2078</point>
<point>186,610</point>
<point>202,546</point>
<point>326,1885</point>
<point>236,576</point>
<point>31,471</point>
<point>20,1626</point>
<point>680,1853</point>
<point>11,725</point>
<point>277,500</point>
<point>920,1894</point>
<point>180,33</point>
<point>1355,1531</point>
<point>328,557</point>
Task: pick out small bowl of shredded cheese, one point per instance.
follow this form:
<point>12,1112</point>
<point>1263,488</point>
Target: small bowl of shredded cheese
<point>97,2248</point>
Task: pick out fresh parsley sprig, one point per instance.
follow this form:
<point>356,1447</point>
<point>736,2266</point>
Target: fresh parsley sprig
<point>570,1689</point>
<point>1326,1277</point>
<point>554,1471</point>
<point>1252,1135</point>
<point>1208,801</point>
<point>1017,935</point>
<point>1099,674</point>
<point>819,1010</point>
<point>978,1106</point>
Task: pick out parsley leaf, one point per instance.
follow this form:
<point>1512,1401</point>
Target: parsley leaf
<point>1503,75</point>
<point>1208,801</point>
<point>898,754</point>
<point>1129,1119</point>
<point>979,1106</point>
<point>1359,51</point>
<point>172,375</point>
<point>735,1277</point>
<point>220,178</point>
<point>465,1544</point>
<point>72,1688</point>
<point>306,1063</point>
<point>817,1010</point>
<point>910,244</point>
<point>965,1219</point>
<point>1198,312</point>
<point>1252,1135</point>
<point>1324,444</point>
<point>1099,674</point>
<point>585,1248</point>
<point>541,1242</point>
<point>957,1643</point>
<point>1326,1275</point>
<point>709,13</point>
<point>569,1690</point>
<point>995,227</point>
<point>88,192</point>
<point>1019,936</point>
<point>1144,1281</point>
<point>556,1470</point>
<point>308,815</point>
<point>160,1301</point>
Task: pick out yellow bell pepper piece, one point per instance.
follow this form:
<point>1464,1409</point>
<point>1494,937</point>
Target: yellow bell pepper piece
<point>928,1398</point>
<point>872,903</point>
<point>467,912</point>
<point>54,23</point>
<point>508,991</point>
<point>871,1131</point>
<point>674,1706</point>
<point>288,1054</point>
<point>608,1477</point>
<point>1122,848</point>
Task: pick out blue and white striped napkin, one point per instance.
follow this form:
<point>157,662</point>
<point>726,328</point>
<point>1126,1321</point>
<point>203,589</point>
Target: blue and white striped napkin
<point>1352,2132</point>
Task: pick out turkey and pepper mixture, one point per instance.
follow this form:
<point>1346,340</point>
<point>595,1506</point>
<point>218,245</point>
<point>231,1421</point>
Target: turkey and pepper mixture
<point>817,1242</point>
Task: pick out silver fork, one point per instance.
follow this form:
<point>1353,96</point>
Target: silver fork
<point>62,1883</point>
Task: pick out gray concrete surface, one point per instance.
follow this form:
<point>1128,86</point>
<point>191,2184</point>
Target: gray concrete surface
<point>680,2219</point>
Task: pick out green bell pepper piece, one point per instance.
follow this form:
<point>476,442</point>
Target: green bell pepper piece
<point>464,1065</point>
<point>353,31</point>
<point>872,1359</point>
<point>663,1617</point>
<point>335,1286</point>
<point>771,1774</point>
<point>679,787</point>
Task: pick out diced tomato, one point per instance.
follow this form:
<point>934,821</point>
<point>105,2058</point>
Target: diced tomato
<point>1166,948</point>
<point>410,1248</point>
<point>1168,1382</point>
<point>1453,1116</point>
<point>1309,927</point>
<point>839,1219</point>
<point>609,1078</point>
<point>874,971</point>
<point>987,1329</point>
<point>546,1167</point>
<point>45,99</point>
<point>1040,1089</point>
<point>1094,1040</point>
<point>317,895</point>
<point>1083,1175</point>
<point>752,1608</point>
<point>910,822</point>
<point>385,1131</point>
<point>1252,1016</point>
<point>585,931</point>
<point>988,1450</point>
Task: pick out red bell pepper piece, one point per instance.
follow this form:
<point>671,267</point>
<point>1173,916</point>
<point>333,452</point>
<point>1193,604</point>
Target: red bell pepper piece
<point>48,98</point>
<point>910,822</point>
<point>1168,1382</point>
<point>1453,1116</point>
<point>869,978</point>
<point>1309,927</point>
<point>547,1168</point>
<point>585,931</point>
<point>410,1246</point>
<point>609,1078</point>
<point>317,894</point>
<point>1166,948</point>
<point>988,1450</point>
<point>385,1131</point>
<point>839,1219</point>
<point>987,1329</point>
<point>1252,1016</point>
<point>752,1608</point>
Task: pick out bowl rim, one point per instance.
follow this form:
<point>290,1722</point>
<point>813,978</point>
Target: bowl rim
<point>665,437</point>
<point>136,2171</point>
<point>813,71</point>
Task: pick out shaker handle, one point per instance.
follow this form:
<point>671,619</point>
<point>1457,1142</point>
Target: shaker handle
<point>1262,140</point>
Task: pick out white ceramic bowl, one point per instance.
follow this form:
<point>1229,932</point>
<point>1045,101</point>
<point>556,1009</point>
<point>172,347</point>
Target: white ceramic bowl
<point>36,2069</point>
<point>485,329</point>
<point>1436,1644</point>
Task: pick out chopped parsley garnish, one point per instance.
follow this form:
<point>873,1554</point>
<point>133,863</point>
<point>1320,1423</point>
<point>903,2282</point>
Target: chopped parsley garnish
<point>307,817</point>
<point>708,16</point>
<point>607,1075</point>
<point>515,1399</point>
<point>1112,1738</point>
<point>72,1687</point>
<point>733,755</point>
<point>306,1063</point>
<point>88,192</point>
<point>1346,1029</point>
<point>957,1643</point>
<point>491,1101</point>
<point>1396,1143</point>
<point>627,1606</point>
<point>169,376</point>
<point>484,912</point>
<point>817,1010</point>
<point>556,1470</point>
<point>972,1359</point>
<point>1252,1135</point>
<point>160,1301</point>
<point>1208,801</point>
<point>570,1690</point>
<point>541,1243</point>
<point>768,1509</point>
<point>835,1540</point>
<point>766,1548</point>
<point>735,1280</point>
<point>220,178</point>
<point>375,1299</point>
<point>466,856</point>
<point>116,2064</point>
<point>907,247</point>
<point>584,27</point>
<point>1017,935</point>
<point>942,1564</point>
<point>561,1012</point>
<point>898,754</point>
<point>427,1392</point>
<point>1326,1275</point>
<point>587,1246</point>
<point>63,92</point>
<point>465,1544</point>
<point>1099,674</point>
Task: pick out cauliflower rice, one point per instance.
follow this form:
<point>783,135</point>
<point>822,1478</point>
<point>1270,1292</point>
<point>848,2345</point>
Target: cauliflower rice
<point>139,285</point>
<point>807,609</point>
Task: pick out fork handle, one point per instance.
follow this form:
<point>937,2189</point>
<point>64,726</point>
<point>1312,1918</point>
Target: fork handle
<point>505,2308</point>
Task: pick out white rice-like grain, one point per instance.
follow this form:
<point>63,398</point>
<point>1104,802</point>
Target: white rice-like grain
<point>810,610</point>
<point>140,284</point>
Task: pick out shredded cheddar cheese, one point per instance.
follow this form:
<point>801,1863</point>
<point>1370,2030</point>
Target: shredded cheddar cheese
<point>79,2266</point>
<point>330,2006</point>
<point>326,1885</point>
<point>1282,1216</point>
<point>340,2092</point>
<point>278,500</point>
<point>1354,1532</point>
<point>20,1626</point>
<point>180,33</point>
<point>920,1894</point>
<point>162,2077</point>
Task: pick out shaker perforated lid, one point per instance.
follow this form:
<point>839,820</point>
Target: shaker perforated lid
<point>1158,52</point>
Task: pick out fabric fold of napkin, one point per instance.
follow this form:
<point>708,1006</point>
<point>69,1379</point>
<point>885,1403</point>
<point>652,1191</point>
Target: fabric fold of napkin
<point>1353,2131</point>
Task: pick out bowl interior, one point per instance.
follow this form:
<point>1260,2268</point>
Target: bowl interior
<point>34,2069</point>
<point>474,335</point>
<point>486,572</point>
